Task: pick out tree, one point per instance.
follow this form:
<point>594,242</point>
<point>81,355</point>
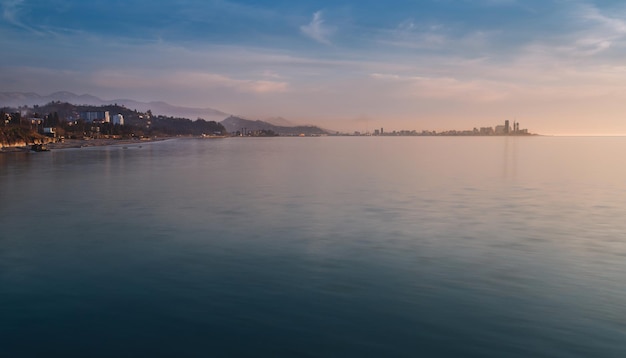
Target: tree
<point>16,118</point>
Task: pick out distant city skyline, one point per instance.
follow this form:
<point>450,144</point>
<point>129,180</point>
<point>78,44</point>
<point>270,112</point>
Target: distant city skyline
<point>555,66</point>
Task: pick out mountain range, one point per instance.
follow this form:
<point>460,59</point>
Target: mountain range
<point>232,123</point>
<point>16,99</point>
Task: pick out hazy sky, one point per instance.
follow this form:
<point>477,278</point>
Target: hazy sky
<point>557,66</point>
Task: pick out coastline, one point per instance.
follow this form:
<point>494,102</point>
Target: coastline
<point>83,143</point>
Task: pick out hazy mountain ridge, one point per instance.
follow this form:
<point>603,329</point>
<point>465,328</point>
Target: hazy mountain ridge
<point>280,121</point>
<point>234,124</point>
<point>16,99</point>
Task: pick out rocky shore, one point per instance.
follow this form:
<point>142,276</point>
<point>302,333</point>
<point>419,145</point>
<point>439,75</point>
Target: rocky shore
<point>20,137</point>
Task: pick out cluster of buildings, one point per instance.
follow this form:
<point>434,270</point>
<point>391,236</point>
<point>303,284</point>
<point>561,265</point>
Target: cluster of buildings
<point>499,130</point>
<point>102,117</point>
<point>505,129</point>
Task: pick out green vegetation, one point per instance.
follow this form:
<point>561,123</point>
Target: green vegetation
<point>15,135</point>
<point>64,120</point>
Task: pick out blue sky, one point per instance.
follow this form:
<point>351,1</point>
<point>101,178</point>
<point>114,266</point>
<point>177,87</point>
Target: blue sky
<point>555,65</point>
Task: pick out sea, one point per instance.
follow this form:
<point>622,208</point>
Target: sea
<point>316,247</point>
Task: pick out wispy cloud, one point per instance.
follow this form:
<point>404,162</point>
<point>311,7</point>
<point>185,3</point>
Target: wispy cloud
<point>317,29</point>
<point>437,38</point>
<point>447,88</point>
<point>411,35</point>
<point>557,55</point>
<point>10,9</point>
<point>186,80</point>
<point>497,2</point>
<point>10,12</point>
<point>601,33</point>
<point>588,36</point>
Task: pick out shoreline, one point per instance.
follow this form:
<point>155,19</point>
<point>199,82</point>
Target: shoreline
<point>83,143</point>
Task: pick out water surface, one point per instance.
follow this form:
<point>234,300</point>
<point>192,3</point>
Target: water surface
<point>316,247</point>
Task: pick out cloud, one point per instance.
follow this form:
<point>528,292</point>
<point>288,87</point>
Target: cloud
<point>447,88</point>
<point>10,9</point>
<point>596,32</point>
<point>592,32</point>
<point>499,2</point>
<point>407,34</point>
<point>10,12</point>
<point>186,80</point>
<point>317,30</point>
<point>614,25</point>
<point>41,80</point>
<point>435,37</point>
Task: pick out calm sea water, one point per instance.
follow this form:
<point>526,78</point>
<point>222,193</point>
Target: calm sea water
<point>316,247</point>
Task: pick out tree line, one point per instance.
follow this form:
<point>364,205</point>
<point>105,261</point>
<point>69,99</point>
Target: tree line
<point>68,120</point>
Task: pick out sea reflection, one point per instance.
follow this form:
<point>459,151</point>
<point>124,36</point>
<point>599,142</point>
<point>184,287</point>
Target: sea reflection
<point>483,247</point>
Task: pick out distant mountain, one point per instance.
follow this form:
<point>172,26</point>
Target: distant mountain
<point>167,109</point>
<point>280,121</point>
<point>16,99</point>
<point>234,124</point>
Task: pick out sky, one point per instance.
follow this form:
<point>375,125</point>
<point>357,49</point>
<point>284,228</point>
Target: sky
<point>555,66</point>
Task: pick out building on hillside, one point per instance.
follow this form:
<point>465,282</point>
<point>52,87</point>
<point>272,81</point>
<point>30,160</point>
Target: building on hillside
<point>49,131</point>
<point>118,119</point>
<point>97,116</point>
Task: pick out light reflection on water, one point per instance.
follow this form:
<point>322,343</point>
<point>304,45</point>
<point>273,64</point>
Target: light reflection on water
<point>317,247</point>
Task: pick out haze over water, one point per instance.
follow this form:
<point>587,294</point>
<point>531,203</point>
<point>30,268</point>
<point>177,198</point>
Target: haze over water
<point>316,247</point>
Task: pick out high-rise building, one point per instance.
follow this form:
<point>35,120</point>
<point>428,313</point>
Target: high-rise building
<point>507,129</point>
<point>118,119</point>
<point>101,116</point>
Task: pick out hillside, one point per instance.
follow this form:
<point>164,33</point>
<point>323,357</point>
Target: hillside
<point>236,124</point>
<point>17,99</point>
<point>73,122</point>
<point>18,137</point>
<point>69,105</point>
